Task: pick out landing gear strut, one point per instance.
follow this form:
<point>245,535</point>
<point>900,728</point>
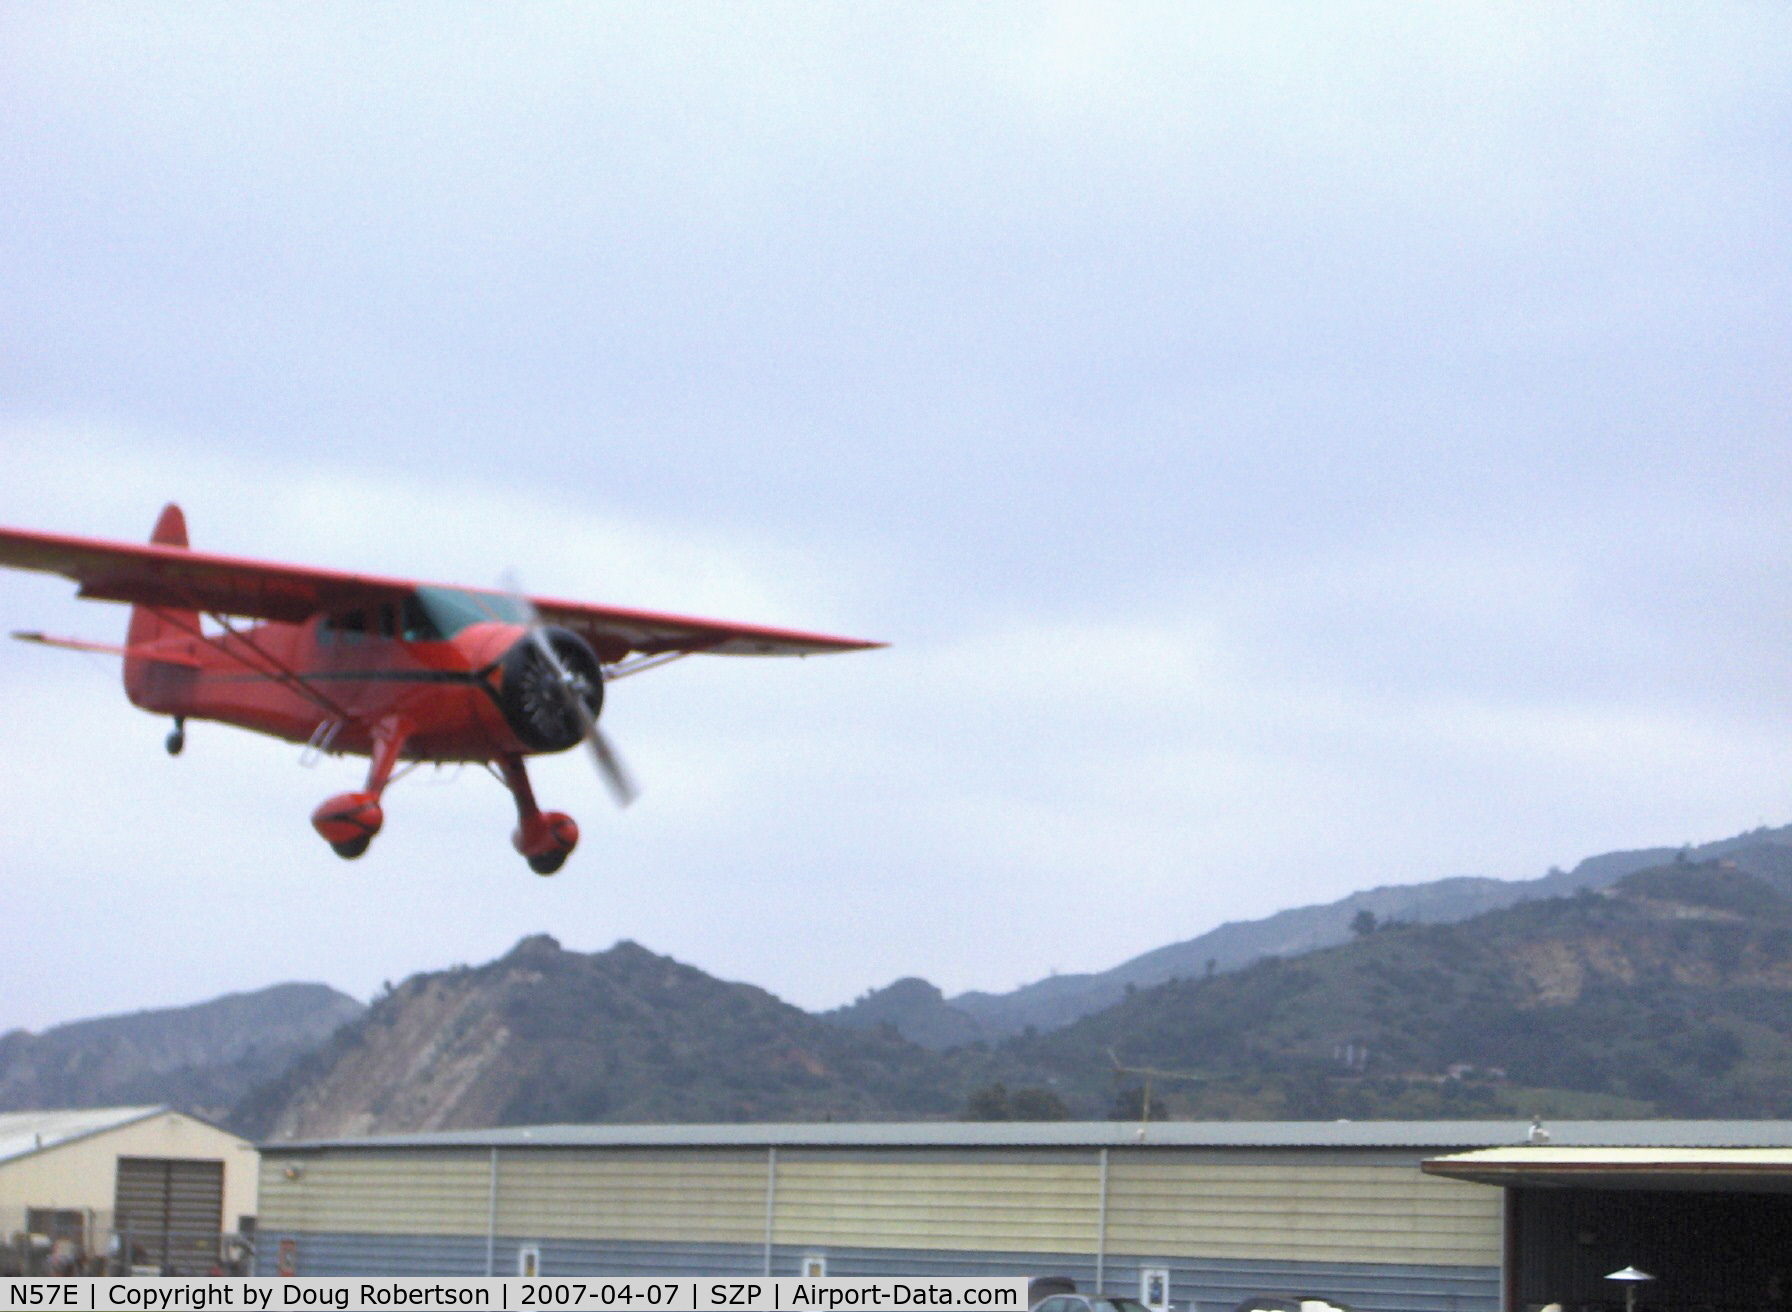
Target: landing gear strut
<point>177,736</point>
<point>349,821</point>
<point>545,838</point>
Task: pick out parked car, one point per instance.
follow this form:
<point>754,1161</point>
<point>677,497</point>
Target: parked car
<point>1040,1288</point>
<point>1090,1303</point>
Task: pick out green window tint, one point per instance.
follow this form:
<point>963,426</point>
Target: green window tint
<point>415,624</point>
<point>435,613</point>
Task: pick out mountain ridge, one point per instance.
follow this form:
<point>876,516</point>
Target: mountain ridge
<point>546,1035</point>
<point>1059,1000</point>
<point>542,1034</point>
<point>1666,994</point>
<point>200,1058</point>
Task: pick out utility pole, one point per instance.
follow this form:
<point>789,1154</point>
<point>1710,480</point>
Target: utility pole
<point>1150,1073</point>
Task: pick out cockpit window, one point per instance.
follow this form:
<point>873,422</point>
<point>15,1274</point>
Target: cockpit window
<point>345,629</point>
<point>431,614</point>
<point>415,623</point>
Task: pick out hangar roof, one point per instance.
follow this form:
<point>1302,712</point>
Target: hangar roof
<point>24,1133</point>
<point>1725,1169</point>
<point>1441,1135</point>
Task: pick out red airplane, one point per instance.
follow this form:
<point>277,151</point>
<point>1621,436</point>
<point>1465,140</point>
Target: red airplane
<point>389,669</point>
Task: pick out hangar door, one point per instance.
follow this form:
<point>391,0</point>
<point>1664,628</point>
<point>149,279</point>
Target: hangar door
<point>1711,1249</point>
<point>168,1213</point>
<point>1713,1225</point>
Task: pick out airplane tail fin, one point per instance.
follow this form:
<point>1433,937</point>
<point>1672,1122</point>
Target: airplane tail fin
<point>156,685</point>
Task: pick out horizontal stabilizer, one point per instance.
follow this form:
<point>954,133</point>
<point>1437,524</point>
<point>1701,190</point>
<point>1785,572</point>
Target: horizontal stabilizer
<point>107,648</point>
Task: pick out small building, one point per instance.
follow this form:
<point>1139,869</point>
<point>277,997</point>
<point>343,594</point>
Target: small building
<point>149,1186</point>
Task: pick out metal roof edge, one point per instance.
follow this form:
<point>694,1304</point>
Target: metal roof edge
<point>142,1113</point>
<point>1286,1135</point>
<point>1603,1166</point>
<point>1432,1136</point>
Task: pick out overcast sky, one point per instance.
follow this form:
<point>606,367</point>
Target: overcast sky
<point>1289,448</point>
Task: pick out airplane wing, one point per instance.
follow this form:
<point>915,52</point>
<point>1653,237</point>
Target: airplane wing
<point>177,577</point>
<point>614,633</point>
<point>146,574</point>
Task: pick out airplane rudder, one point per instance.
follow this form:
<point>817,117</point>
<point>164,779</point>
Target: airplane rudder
<point>171,527</point>
<point>144,678</point>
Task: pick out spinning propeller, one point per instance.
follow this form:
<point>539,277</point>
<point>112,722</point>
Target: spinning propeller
<point>576,690</point>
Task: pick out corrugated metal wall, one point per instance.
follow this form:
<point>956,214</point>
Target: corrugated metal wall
<point>1200,1203</point>
<point>1368,1228</point>
<point>1217,1284</point>
<point>708,1197</point>
<point>416,1193</point>
<point>1039,1201</point>
<point>1212,1285</point>
<point>330,1254</point>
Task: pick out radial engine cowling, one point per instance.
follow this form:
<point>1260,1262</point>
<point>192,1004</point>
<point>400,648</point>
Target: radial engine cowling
<point>536,701</point>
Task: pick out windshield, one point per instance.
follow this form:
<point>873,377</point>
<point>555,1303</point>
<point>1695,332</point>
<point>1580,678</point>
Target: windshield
<point>436,613</point>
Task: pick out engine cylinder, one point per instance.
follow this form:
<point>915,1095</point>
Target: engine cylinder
<point>537,698</point>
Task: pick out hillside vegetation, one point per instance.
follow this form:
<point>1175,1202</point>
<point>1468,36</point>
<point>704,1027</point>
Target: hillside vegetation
<point>1669,994</point>
<point>201,1059</point>
<point>1051,1003</point>
<point>546,1035</point>
<point>1664,990</point>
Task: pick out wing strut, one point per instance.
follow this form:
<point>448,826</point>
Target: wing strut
<point>277,669</point>
<point>641,664</point>
<point>271,666</point>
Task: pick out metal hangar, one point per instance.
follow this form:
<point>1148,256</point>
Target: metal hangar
<point>1442,1216</point>
<point>1202,1212</point>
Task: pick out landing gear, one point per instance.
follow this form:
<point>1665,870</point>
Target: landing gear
<point>177,736</point>
<point>349,821</point>
<point>548,863</point>
<point>544,838</point>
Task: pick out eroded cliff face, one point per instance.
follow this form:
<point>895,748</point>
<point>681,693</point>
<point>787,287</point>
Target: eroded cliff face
<point>1558,971</point>
<point>545,1035</point>
<point>430,1056</point>
<point>1707,926</point>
